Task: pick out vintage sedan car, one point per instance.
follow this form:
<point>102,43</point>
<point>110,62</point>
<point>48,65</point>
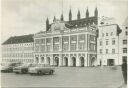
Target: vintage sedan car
<point>23,68</point>
<point>10,66</point>
<point>41,69</point>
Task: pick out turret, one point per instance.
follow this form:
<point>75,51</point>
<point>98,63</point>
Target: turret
<point>96,12</point>
<point>87,13</point>
<point>47,24</point>
<point>70,15</point>
<point>62,18</point>
<point>54,19</point>
<point>78,15</point>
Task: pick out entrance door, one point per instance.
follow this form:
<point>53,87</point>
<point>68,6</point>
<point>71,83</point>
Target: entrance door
<point>56,61</point>
<point>37,60</point>
<point>48,60</point>
<point>92,61</point>
<point>73,61</point>
<point>65,61</point>
<point>82,61</point>
<point>110,62</point>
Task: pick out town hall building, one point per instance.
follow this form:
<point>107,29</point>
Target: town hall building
<point>68,43</point>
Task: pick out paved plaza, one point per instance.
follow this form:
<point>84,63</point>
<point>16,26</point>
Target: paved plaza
<point>89,77</point>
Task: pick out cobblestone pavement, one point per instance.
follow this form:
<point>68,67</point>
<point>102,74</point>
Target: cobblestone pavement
<point>88,77</point>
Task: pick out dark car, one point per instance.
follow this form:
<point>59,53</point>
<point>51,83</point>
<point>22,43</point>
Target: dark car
<point>9,67</point>
<point>22,69</point>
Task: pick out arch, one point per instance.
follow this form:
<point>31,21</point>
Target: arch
<point>56,61</point>
<point>73,61</point>
<point>65,61</point>
<point>82,61</point>
<point>48,60</point>
<point>42,59</point>
<point>37,60</point>
<point>93,59</point>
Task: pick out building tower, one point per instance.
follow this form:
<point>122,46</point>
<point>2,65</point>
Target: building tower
<point>62,18</point>
<point>54,19</point>
<point>96,12</point>
<point>70,15</point>
<point>47,24</point>
<point>78,15</point>
<point>87,13</point>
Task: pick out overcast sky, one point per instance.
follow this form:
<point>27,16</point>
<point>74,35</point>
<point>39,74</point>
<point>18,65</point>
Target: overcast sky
<point>21,17</point>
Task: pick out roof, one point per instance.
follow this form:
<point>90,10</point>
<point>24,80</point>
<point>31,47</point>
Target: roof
<point>20,39</point>
<point>81,22</point>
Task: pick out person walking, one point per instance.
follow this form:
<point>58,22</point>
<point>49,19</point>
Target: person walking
<point>124,71</point>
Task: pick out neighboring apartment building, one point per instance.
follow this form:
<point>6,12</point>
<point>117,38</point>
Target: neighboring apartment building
<point>68,43</point>
<point>124,42</point>
<point>18,49</point>
<point>108,44</point>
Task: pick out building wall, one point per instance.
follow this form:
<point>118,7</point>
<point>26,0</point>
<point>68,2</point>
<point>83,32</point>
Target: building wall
<point>79,43</point>
<point>108,44</point>
<point>123,38</point>
<point>21,52</point>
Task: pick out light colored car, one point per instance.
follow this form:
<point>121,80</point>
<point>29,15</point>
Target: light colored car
<point>41,69</point>
<point>23,68</point>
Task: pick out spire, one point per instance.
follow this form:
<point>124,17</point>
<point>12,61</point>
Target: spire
<point>47,24</point>
<point>78,15</point>
<point>54,19</point>
<point>96,12</point>
<point>87,13</point>
<point>70,15</point>
<point>62,18</point>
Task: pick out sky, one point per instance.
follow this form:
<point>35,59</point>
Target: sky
<point>21,17</point>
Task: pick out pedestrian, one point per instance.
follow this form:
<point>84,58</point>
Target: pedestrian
<point>124,71</point>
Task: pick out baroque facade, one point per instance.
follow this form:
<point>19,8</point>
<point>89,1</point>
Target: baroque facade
<point>18,49</point>
<point>68,43</point>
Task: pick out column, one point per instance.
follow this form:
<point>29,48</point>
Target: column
<point>52,44</point>
<point>69,43</point>
<point>77,42</point>
<point>60,59</point>
<point>85,59</point>
<point>77,60</point>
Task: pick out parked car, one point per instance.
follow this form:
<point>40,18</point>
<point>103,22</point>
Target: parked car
<point>22,69</point>
<point>10,66</point>
<point>41,69</point>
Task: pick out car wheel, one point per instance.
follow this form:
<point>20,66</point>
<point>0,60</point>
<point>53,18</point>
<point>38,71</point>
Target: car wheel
<point>51,72</point>
<point>39,73</point>
<point>24,71</point>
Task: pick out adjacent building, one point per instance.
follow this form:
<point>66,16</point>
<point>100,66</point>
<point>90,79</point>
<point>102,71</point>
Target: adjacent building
<point>108,43</point>
<point>124,42</point>
<point>18,49</point>
<point>68,43</point>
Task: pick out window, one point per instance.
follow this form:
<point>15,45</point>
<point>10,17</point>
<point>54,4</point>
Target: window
<point>100,51</point>
<point>126,33</point>
<point>106,42</point>
<point>113,50</point>
<point>124,41</point>
<point>124,50</point>
<point>106,34</point>
<point>106,50</point>
<point>113,41</point>
<point>100,43</point>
